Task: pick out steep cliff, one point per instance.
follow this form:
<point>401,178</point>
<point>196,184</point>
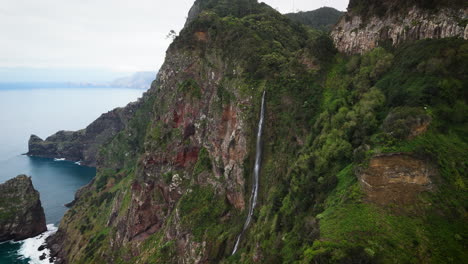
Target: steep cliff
<point>367,25</point>
<point>173,186</point>
<point>178,178</point>
<point>21,213</point>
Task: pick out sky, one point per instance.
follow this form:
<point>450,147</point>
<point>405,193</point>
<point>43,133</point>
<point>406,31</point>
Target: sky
<point>96,40</point>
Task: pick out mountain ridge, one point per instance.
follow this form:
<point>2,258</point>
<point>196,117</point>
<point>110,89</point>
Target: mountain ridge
<point>323,18</point>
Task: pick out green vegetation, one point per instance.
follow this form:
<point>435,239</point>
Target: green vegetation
<point>367,8</point>
<point>191,88</point>
<point>122,150</point>
<point>359,93</point>
<point>203,163</point>
<point>321,19</point>
<point>327,114</point>
<point>201,210</point>
<point>236,8</point>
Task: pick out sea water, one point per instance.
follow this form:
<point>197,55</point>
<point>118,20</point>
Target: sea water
<point>44,112</point>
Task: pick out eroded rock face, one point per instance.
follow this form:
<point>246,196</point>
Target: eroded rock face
<point>83,145</point>
<point>202,123</point>
<point>183,126</point>
<point>355,34</point>
<point>396,178</point>
<point>21,212</point>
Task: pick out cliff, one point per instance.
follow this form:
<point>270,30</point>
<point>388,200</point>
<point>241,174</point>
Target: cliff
<point>83,145</point>
<point>369,25</point>
<point>183,184</point>
<point>173,186</point>
<point>21,213</point>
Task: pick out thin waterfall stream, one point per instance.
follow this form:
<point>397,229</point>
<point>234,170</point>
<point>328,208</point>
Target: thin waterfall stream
<point>256,172</point>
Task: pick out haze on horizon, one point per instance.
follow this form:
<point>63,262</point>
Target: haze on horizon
<point>54,40</point>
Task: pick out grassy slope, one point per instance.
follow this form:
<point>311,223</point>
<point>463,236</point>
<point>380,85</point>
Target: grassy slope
<point>359,92</point>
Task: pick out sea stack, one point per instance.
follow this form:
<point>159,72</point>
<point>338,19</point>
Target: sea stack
<point>21,212</point>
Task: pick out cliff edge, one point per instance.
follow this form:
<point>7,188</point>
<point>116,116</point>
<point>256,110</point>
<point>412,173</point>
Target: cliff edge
<point>369,25</point>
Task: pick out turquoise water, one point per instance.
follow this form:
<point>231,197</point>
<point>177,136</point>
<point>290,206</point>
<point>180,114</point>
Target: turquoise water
<point>56,182</point>
<point>43,112</point>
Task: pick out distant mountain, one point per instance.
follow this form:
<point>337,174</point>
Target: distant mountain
<point>139,80</point>
<point>322,19</point>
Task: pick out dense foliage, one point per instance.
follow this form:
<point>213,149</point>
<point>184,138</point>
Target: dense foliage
<point>367,8</point>
<point>321,19</point>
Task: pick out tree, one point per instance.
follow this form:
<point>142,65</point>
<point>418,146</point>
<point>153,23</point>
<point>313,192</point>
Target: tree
<point>172,34</point>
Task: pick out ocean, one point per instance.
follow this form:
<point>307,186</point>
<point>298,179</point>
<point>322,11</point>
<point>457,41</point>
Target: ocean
<point>43,112</point>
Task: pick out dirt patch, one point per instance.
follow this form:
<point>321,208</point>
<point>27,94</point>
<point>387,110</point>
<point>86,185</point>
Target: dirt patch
<point>201,36</point>
<point>396,178</point>
<point>419,129</point>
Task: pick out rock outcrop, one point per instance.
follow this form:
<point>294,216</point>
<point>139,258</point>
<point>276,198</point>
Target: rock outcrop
<point>396,178</point>
<point>21,212</point>
<point>406,123</point>
<point>83,145</point>
<point>357,32</point>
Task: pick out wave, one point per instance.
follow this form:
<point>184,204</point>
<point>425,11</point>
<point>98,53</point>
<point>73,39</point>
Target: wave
<point>59,159</point>
<point>29,248</point>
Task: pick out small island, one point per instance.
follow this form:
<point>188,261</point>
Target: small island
<point>21,212</point>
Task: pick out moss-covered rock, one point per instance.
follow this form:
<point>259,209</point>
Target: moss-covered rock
<point>21,213</point>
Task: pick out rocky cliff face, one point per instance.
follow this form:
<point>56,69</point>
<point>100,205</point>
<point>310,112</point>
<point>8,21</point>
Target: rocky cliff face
<point>177,177</point>
<point>173,184</point>
<point>21,213</point>
<point>83,145</point>
<point>358,33</point>
<point>195,143</point>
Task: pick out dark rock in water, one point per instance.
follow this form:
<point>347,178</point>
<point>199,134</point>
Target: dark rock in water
<point>42,247</point>
<point>21,212</point>
<point>83,145</point>
<point>55,245</point>
<point>43,256</point>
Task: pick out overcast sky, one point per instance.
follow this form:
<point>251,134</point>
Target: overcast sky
<point>89,40</point>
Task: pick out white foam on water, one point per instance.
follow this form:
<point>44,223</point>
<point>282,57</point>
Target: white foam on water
<point>59,159</point>
<point>29,248</point>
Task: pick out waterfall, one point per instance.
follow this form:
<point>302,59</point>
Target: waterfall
<point>256,172</point>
